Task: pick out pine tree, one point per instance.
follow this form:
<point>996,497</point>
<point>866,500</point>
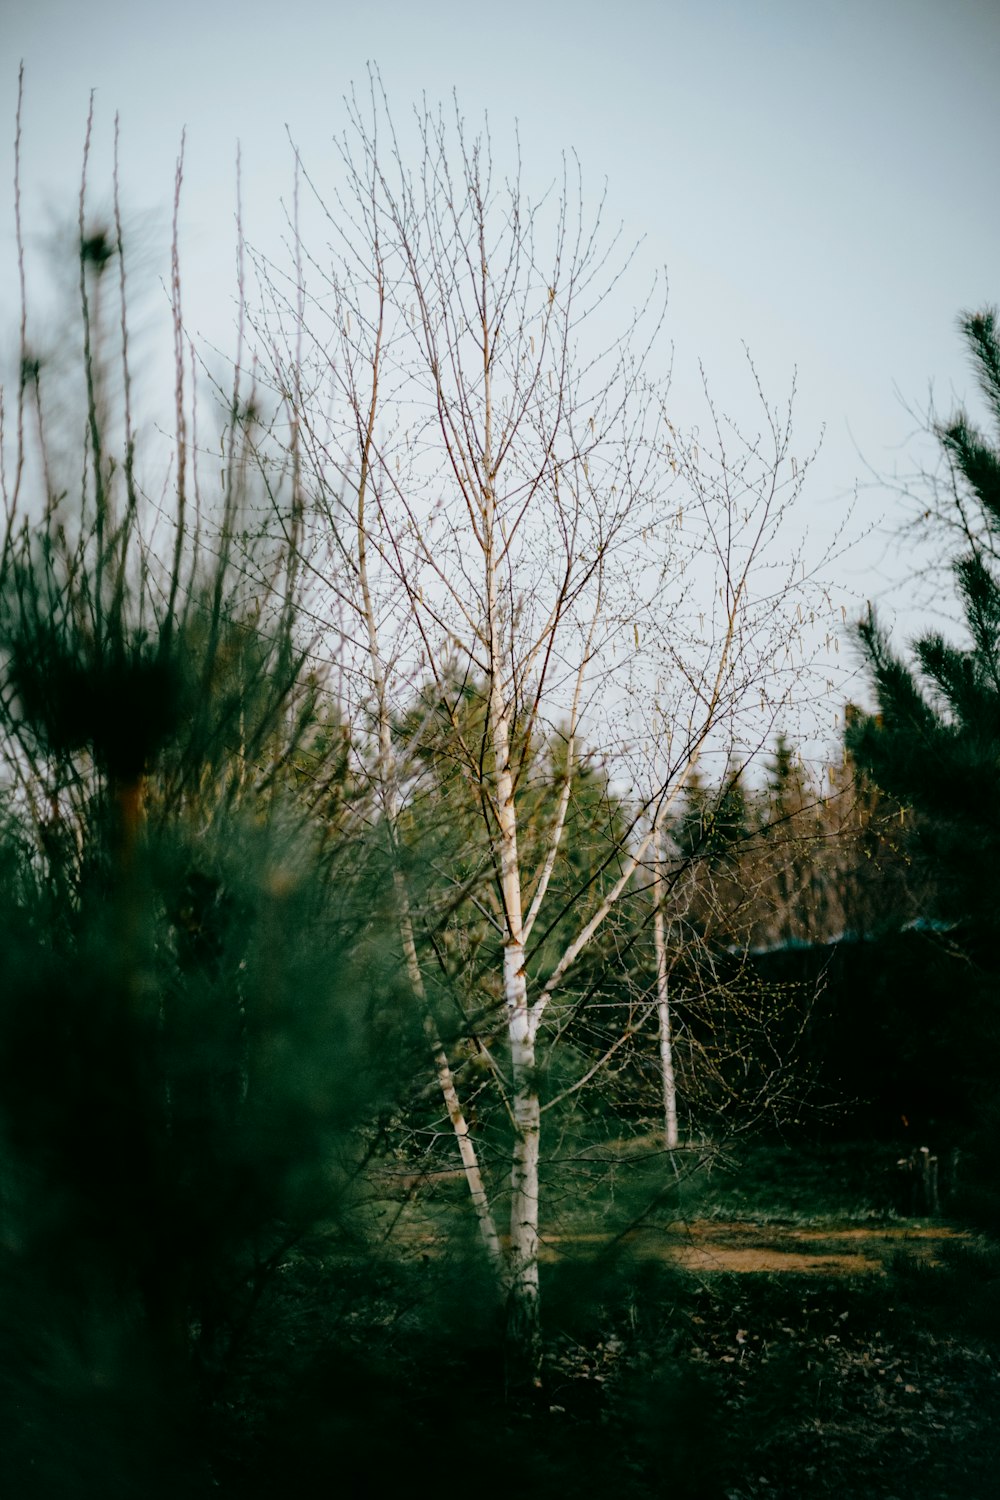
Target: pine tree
<point>934,743</point>
<point>183,987</point>
<point>935,740</point>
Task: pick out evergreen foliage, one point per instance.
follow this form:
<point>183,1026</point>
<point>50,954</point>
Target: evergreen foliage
<point>189,988</point>
<point>934,743</point>
<point>186,1007</point>
<point>935,740</point>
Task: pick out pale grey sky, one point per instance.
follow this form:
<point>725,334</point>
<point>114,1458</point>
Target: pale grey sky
<point>818,178</point>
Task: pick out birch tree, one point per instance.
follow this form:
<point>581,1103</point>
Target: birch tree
<point>497,494</point>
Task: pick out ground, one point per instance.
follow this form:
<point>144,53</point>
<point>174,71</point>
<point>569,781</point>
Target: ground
<point>772,1329</point>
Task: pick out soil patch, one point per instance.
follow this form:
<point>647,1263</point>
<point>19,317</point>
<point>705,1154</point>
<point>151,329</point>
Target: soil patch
<point>707,1246</point>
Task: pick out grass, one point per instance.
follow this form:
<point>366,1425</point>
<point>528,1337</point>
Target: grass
<point>841,1183</point>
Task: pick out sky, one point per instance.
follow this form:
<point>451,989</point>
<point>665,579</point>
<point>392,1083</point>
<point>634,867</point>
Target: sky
<point>817,178</point>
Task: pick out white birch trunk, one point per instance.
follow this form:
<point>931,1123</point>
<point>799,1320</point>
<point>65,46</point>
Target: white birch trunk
<point>524,1348</point>
<point>523,1317</point>
<point>669,1080</point>
<point>524,1342</point>
<point>453,1104</point>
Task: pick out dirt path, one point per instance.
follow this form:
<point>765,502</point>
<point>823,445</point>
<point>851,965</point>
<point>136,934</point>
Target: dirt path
<point>708,1246</point>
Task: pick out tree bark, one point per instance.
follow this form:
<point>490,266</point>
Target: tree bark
<point>670,1136</point>
<point>524,1345</point>
<point>446,1083</point>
